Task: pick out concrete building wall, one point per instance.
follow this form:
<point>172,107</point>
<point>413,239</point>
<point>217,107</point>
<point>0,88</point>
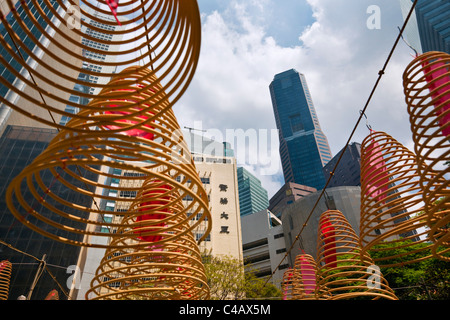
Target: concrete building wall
<point>264,245</point>
<point>346,199</point>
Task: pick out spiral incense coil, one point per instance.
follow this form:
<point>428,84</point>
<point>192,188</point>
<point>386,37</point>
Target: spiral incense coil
<point>287,284</point>
<point>343,269</point>
<point>391,202</point>
<point>60,193</point>
<point>426,83</point>
<point>52,295</point>
<point>166,265</point>
<point>161,36</point>
<point>5,277</point>
<point>304,278</point>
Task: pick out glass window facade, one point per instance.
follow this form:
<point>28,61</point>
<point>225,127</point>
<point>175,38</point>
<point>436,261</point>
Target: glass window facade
<point>304,149</point>
<point>5,53</point>
<point>252,196</point>
<point>19,146</point>
<point>429,27</point>
<point>433,20</point>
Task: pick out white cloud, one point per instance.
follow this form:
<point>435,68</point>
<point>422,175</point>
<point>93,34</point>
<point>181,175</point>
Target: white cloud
<point>338,54</point>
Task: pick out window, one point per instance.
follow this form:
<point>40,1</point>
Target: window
<point>280,235</point>
<point>296,123</point>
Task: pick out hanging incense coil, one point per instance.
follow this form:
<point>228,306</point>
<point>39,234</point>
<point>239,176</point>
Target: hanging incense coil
<point>304,278</point>
<point>60,193</point>
<point>52,295</point>
<point>426,83</point>
<point>343,269</point>
<point>161,36</point>
<point>287,284</point>
<point>167,262</point>
<point>392,208</point>
<point>5,277</point>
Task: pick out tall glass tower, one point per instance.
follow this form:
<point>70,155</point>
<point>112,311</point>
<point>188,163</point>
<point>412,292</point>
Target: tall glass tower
<point>252,196</point>
<point>429,26</point>
<point>304,149</point>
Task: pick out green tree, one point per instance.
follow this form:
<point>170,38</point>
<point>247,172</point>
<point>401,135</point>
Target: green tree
<point>227,280</point>
<point>424,280</point>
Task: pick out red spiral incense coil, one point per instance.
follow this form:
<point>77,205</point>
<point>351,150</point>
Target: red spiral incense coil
<point>426,83</point>
<point>392,207</point>
<point>351,274</point>
<point>5,277</point>
<point>156,257</point>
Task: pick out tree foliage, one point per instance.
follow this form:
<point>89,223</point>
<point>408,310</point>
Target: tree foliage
<point>228,281</point>
<point>428,279</point>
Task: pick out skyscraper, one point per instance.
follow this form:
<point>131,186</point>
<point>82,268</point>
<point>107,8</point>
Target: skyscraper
<point>19,146</point>
<point>348,172</point>
<point>252,196</point>
<point>304,149</point>
<point>429,26</point>
<point>8,116</point>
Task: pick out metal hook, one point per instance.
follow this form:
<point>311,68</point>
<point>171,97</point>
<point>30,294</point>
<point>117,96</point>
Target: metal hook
<point>367,122</point>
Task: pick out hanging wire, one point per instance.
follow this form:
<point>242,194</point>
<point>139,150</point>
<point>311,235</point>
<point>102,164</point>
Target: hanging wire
<point>362,114</point>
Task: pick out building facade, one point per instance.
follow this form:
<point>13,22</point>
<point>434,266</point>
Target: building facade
<point>263,245</point>
<point>8,116</point>
<point>348,171</point>
<point>288,194</point>
<point>111,34</point>
<point>429,27</point>
<point>252,196</point>
<point>304,149</point>
<point>18,147</point>
<point>345,199</point>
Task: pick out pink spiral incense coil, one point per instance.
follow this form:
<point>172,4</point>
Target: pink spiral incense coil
<point>304,278</point>
<point>392,205</point>
<point>78,163</point>
<point>5,277</point>
<point>352,274</point>
<point>426,83</point>
<point>166,262</point>
<point>161,36</point>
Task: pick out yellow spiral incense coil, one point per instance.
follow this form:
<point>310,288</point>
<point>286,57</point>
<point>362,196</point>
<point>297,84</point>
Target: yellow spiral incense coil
<point>165,264</point>
<point>5,277</point>
<point>161,36</point>
<point>287,284</point>
<point>392,208</point>
<point>426,83</point>
<point>343,269</point>
<point>60,194</point>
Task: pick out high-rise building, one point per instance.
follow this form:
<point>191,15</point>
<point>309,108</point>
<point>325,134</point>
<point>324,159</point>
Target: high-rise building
<point>19,146</point>
<point>348,171</point>
<point>288,194</point>
<point>252,196</point>
<point>304,149</point>
<point>9,116</point>
<point>429,27</point>
<point>110,35</point>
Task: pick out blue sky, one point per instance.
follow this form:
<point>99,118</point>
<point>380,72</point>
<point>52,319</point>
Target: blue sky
<point>284,19</point>
<point>246,42</point>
